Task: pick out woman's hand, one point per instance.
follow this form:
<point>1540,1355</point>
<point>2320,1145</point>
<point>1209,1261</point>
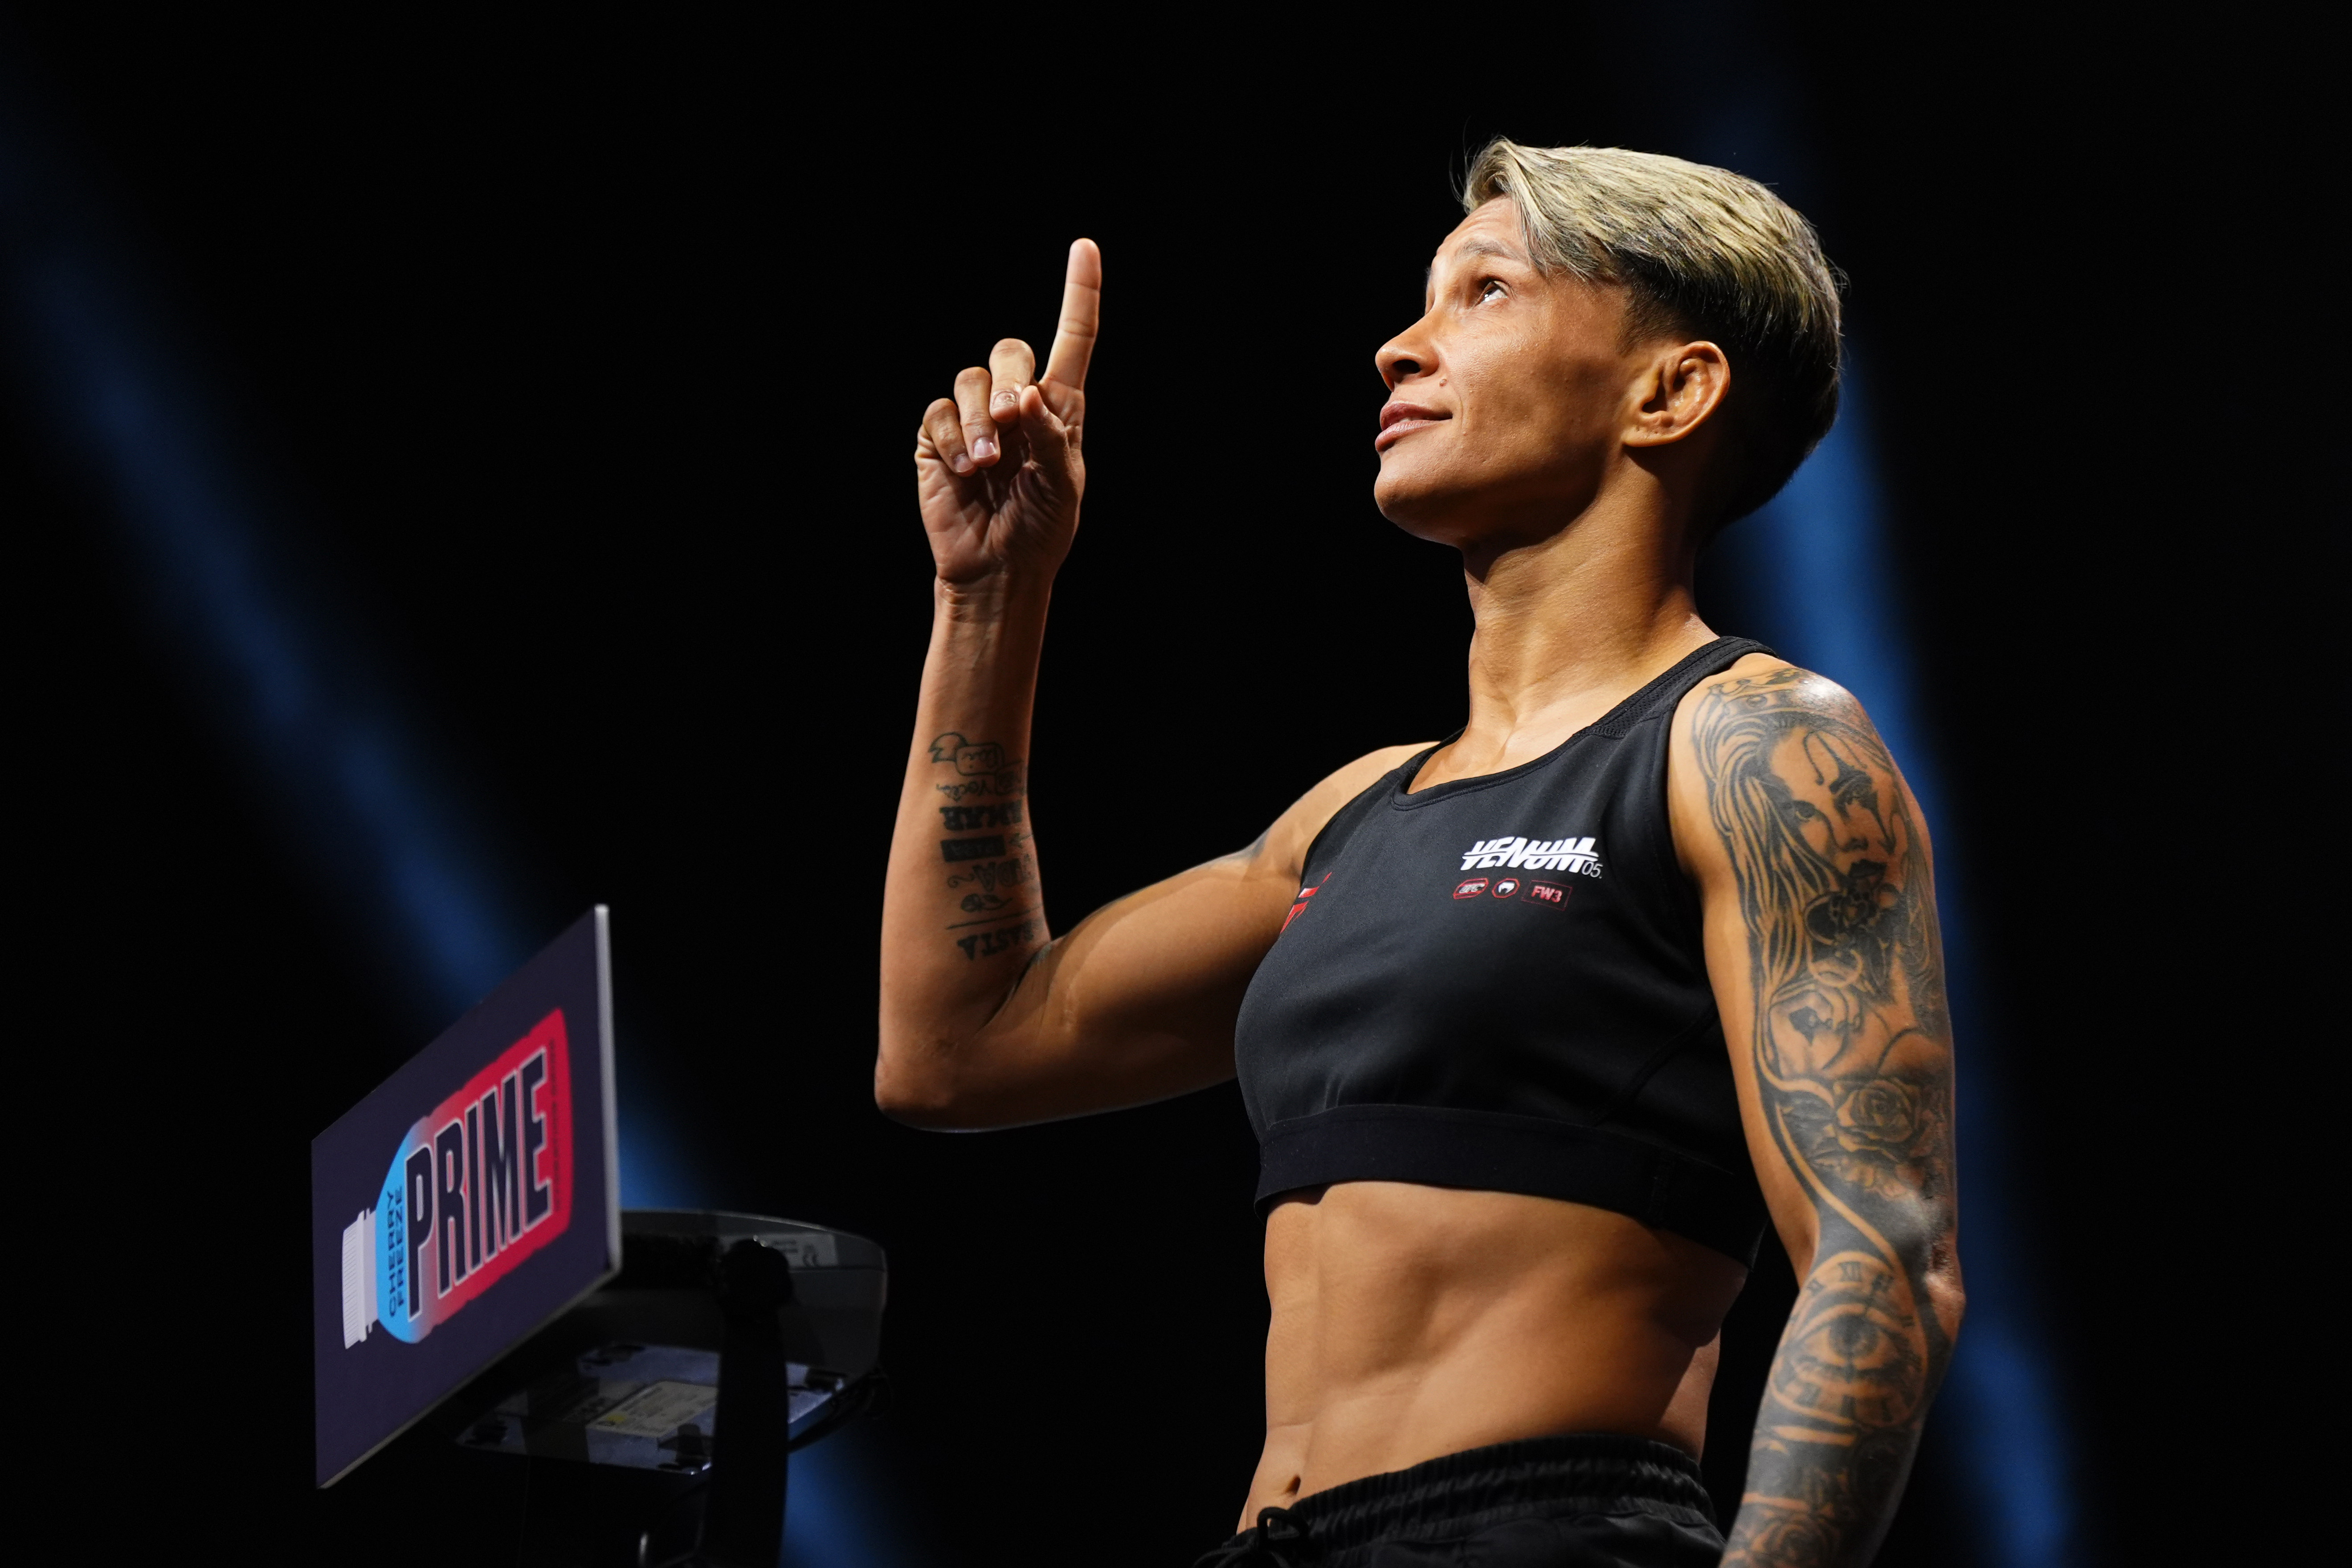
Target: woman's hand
<point>998,466</point>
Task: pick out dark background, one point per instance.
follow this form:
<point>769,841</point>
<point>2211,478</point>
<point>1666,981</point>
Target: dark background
<point>579,365</point>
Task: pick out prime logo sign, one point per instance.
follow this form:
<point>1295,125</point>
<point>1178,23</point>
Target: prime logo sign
<point>468,1201</point>
<point>481,1182</point>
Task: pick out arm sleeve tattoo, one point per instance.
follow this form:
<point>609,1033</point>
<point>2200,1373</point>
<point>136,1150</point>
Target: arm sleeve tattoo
<point>1852,1049</point>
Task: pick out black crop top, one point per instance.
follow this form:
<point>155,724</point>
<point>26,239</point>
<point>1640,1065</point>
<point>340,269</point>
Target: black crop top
<point>1498,984</point>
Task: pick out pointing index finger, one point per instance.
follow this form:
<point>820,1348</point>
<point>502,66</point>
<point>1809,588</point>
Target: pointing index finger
<point>1074,339</point>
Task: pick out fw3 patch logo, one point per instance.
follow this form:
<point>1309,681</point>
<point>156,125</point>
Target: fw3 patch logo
<point>1534,854</point>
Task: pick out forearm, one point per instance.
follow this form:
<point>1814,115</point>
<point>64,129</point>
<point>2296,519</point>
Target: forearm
<point>963,911</point>
<point>1866,1345</point>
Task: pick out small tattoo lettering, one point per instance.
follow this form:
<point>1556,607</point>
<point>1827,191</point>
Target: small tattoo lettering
<point>993,874</point>
<point>986,757</point>
<point>974,818</point>
<point>982,767</point>
<point>989,943</point>
<point>997,916</point>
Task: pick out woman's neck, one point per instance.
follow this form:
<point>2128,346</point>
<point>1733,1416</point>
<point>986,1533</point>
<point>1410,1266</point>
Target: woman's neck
<point>1567,628</point>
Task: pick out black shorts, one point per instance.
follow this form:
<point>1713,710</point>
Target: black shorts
<point>1580,1501</point>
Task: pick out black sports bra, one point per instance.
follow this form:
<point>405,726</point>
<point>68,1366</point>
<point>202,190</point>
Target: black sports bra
<point>1498,984</point>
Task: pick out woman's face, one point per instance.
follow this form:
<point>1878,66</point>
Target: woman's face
<point>1508,399</point>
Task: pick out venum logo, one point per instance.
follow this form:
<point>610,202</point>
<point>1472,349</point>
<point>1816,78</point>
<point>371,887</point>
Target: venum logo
<point>1534,854</point>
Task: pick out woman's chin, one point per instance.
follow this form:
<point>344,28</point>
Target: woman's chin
<point>1421,509</point>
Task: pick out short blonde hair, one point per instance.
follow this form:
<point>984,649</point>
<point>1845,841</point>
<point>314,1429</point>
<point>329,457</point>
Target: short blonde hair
<point>1702,253</point>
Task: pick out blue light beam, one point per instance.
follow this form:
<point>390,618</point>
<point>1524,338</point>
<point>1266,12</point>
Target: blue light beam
<point>380,833</point>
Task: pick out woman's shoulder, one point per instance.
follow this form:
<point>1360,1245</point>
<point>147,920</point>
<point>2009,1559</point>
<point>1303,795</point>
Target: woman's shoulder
<point>1750,672</point>
<point>1287,842</point>
<point>1344,784</point>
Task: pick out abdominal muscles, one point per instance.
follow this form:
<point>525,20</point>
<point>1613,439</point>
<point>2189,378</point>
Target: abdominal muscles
<point>1411,1323</point>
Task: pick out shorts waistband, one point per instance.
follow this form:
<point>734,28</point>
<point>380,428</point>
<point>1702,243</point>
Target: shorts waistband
<point>1585,1472</point>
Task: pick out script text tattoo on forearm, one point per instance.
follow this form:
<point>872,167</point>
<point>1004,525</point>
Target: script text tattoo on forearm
<point>986,844</point>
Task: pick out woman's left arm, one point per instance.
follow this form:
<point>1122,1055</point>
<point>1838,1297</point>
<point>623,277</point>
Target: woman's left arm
<point>1814,874</point>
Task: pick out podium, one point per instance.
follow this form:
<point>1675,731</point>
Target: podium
<point>646,1375</point>
<point>672,1398</point>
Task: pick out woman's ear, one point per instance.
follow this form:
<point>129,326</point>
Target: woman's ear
<point>1680,386</point>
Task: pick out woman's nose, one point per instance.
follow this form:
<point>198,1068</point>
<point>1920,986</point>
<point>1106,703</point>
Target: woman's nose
<point>1402,357</point>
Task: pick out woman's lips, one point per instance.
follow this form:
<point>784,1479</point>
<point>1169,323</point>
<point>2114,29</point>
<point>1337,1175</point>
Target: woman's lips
<point>1399,420</point>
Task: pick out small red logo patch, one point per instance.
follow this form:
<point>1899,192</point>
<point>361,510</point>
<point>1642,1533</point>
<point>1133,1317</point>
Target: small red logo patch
<point>1550,893</point>
<point>1471,889</point>
<point>1300,907</point>
<point>1506,887</point>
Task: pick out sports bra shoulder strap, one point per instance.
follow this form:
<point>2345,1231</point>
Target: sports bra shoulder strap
<point>1661,695</point>
<point>1410,769</point>
<point>1369,799</point>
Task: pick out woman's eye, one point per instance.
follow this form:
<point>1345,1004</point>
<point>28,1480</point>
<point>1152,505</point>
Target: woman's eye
<point>1490,290</point>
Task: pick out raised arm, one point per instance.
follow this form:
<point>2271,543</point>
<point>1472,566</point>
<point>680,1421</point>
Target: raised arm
<point>1813,868</point>
<point>986,1020</point>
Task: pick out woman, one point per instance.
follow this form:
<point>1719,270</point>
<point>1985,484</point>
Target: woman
<point>1538,1026</point>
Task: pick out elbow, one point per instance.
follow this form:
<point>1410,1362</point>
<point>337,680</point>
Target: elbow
<point>911,1107</point>
<point>1950,1304</point>
<point>1947,1297</point>
<point>913,1093</point>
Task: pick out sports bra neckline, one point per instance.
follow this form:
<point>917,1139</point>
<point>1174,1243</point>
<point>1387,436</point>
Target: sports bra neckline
<point>1404,798</point>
